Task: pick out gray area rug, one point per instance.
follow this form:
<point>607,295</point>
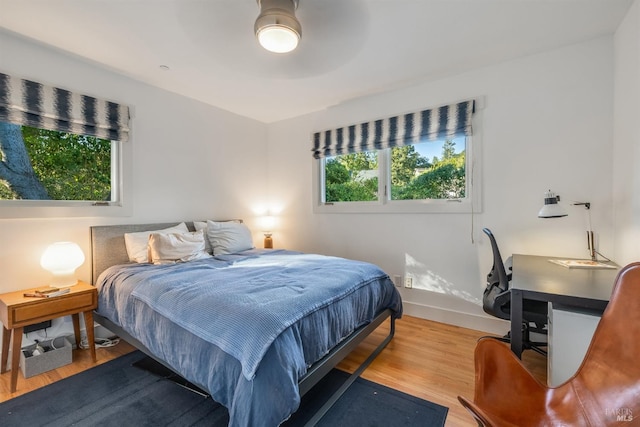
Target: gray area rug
<point>119,394</point>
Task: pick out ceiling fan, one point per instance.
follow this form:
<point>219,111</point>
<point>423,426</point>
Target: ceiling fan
<point>277,28</point>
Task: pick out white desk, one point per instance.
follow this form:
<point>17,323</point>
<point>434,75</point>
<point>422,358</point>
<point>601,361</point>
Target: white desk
<point>570,333</point>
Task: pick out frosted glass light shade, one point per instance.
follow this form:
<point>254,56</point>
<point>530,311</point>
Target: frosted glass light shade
<point>277,28</point>
<point>62,259</point>
<point>278,39</point>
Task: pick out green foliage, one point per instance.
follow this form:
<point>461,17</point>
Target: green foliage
<point>346,180</point>
<point>336,172</point>
<point>70,166</point>
<point>367,160</point>
<point>352,191</point>
<point>445,179</point>
<point>5,191</point>
<point>412,177</point>
<point>448,149</point>
<point>404,161</point>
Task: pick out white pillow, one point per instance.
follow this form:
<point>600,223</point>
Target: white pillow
<point>202,225</point>
<point>229,237</point>
<point>176,247</point>
<point>137,243</point>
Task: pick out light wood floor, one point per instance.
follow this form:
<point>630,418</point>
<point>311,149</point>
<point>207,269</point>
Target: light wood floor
<point>430,360</point>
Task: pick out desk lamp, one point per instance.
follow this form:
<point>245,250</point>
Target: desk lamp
<point>590,242</point>
<point>62,259</point>
<point>552,209</point>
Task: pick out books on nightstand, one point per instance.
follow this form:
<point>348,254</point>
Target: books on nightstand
<point>47,293</point>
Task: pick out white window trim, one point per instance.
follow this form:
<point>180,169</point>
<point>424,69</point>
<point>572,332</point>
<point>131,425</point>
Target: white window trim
<point>121,194</point>
<point>470,204</point>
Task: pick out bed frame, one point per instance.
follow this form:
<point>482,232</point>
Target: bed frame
<point>108,248</point>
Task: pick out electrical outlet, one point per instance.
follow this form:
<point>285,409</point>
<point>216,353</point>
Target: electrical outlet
<point>408,282</point>
<point>397,280</point>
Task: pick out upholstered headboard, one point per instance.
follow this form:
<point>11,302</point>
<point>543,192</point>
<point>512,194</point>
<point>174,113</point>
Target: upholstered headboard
<point>107,243</point>
<point>108,248</point>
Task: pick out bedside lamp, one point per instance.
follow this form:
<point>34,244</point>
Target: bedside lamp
<point>62,259</point>
<point>268,223</point>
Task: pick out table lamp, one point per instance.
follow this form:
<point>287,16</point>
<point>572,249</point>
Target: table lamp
<point>268,223</point>
<point>62,259</point>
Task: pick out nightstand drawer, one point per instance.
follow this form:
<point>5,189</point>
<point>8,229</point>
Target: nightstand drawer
<point>53,308</point>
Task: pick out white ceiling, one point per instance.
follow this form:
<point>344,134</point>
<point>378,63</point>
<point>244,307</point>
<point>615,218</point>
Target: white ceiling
<point>349,48</point>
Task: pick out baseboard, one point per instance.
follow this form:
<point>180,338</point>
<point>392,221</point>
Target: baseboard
<point>465,320</point>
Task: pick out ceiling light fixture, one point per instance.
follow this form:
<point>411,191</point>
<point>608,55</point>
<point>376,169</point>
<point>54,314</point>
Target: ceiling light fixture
<point>277,28</point>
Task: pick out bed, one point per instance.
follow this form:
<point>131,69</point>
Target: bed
<point>256,328</point>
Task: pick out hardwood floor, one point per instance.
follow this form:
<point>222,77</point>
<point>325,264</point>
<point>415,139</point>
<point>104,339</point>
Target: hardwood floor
<point>430,360</point>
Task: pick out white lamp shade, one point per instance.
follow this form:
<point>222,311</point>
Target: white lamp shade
<point>551,208</point>
<point>62,259</point>
<point>267,223</point>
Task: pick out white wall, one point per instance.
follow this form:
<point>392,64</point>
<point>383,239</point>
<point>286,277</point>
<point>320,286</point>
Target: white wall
<point>626,131</point>
<point>547,123</point>
<point>190,160</point>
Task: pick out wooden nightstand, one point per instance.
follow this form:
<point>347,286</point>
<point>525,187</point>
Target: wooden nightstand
<point>18,311</point>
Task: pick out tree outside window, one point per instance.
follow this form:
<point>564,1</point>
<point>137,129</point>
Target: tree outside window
<point>413,176</point>
<point>39,164</point>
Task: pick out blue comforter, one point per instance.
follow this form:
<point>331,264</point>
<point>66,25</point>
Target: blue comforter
<point>246,327</point>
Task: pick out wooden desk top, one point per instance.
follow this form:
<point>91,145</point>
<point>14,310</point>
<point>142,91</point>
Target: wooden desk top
<point>537,274</point>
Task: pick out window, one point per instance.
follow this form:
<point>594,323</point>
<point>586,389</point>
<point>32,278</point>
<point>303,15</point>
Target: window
<point>431,176</point>
<point>61,153</point>
<point>41,164</point>
<point>351,177</point>
<point>400,164</point>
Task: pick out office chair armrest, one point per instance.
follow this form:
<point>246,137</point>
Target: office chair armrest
<point>504,389</point>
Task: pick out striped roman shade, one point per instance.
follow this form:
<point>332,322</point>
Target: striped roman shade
<point>28,103</point>
<point>420,126</point>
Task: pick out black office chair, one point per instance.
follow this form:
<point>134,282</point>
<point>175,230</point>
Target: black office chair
<point>496,301</point>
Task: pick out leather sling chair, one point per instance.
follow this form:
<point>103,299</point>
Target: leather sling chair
<point>605,390</point>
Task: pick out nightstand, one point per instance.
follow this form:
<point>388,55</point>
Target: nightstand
<point>18,311</point>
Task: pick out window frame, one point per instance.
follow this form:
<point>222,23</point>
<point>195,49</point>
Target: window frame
<point>120,205</point>
<point>469,204</point>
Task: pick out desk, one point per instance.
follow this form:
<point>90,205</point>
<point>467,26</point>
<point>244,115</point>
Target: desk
<point>535,278</point>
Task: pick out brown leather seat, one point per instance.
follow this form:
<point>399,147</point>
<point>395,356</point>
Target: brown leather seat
<point>605,391</point>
